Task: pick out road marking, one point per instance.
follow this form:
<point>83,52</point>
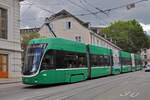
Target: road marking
<point>134,94</point>
<point>130,94</point>
<point>125,93</point>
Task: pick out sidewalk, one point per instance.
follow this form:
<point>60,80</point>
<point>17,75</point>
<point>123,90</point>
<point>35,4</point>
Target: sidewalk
<point>9,80</point>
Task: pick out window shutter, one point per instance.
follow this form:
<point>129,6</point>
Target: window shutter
<point>70,25</point>
<point>65,25</point>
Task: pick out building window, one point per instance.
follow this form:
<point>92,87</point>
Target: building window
<point>3,23</point>
<point>68,25</point>
<point>78,39</point>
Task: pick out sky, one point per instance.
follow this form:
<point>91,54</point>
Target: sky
<point>34,12</point>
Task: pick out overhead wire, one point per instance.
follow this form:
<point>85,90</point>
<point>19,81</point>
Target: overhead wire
<point>106,11</point>
<point>85,14</point>
<point>92,13</point>
<point>100,10</point>
<point>37,6</point>
<point>122,6</point>
<point>97,17</point>
<point>105,22</point>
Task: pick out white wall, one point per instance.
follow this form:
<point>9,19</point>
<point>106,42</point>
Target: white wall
<point>76,30</point>
<point>11,46</point>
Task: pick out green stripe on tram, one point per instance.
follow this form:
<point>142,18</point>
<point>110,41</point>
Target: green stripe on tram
<point>99,50</point>
<point>124,54</point>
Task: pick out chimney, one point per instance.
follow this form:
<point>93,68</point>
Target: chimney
<point>87,24</point>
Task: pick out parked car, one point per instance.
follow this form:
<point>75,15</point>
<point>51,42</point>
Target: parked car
<point>147,69</point>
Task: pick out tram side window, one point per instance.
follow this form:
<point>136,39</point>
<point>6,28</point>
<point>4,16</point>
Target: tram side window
<point>94,62</point>
<point>140,61</point>
<point>123,61</point>
<point>65,59</point>
<point>60,60</point>
<point>136,62</point>
<point>106,60</point>
<point>99,60</point>
<point>126,61</point>
<point>48,61</point>
<point>82,60</point>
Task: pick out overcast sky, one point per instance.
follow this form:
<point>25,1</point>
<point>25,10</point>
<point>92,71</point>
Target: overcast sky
<point>33,12</point>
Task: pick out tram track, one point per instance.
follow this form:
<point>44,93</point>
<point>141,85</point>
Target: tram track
<point>106,88</point>
<point>54,96</point>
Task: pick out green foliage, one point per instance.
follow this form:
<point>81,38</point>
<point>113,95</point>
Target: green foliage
<point>25,40</point>
<point>129,35</point>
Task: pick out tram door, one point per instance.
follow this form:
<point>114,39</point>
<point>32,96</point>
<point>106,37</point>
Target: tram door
<point>3,66</point>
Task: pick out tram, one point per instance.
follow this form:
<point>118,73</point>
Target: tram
<point>57,60</point>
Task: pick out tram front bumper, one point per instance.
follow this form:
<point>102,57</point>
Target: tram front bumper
<point>30,80</point>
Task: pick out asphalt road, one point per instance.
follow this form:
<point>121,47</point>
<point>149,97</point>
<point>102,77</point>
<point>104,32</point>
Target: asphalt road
<point>128,86</point>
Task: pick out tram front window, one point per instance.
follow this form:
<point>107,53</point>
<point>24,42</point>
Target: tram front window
<point>32,59</point>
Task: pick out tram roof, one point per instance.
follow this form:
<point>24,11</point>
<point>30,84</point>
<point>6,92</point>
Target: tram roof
<point>61,44</point>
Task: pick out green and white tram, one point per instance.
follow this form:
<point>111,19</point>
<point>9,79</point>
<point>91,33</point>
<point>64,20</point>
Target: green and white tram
<point>57,60</point>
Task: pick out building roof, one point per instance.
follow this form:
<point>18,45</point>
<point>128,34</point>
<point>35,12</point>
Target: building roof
<point>97,27</point>
<point>29,30</point>
<point>63,14</point>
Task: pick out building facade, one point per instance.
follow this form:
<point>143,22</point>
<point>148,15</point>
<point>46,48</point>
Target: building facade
<point>10,49</point>
<point>146,56</point>
<point>65,25</point>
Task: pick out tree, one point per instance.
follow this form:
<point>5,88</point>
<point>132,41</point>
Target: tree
<point>25,40</point>
<point>129,35</point>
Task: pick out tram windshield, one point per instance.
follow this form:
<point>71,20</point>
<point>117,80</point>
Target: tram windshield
<point>32,58</point>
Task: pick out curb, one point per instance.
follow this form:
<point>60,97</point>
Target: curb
<point>2,83</point>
